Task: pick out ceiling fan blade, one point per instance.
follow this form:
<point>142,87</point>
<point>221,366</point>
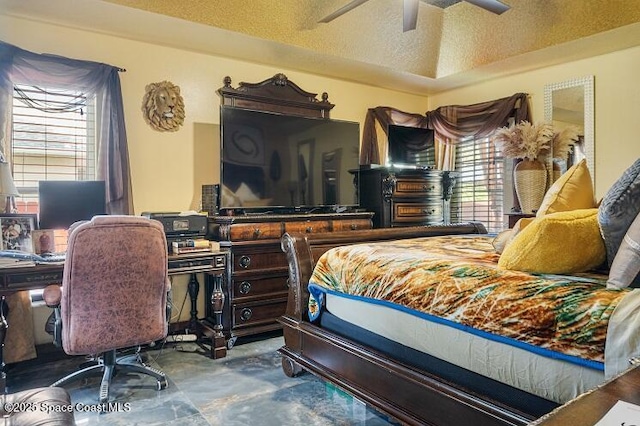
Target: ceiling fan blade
<point>494,6</point>
<point>410,15</point>
<point>344,9</point>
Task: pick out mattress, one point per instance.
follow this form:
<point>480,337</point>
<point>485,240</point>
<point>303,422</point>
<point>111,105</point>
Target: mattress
<point>553,379</point>
<point>551,336</point>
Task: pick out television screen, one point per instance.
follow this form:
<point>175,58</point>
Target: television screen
<point>411,146</point>
<point>271,160</point>
<point>63,203</point>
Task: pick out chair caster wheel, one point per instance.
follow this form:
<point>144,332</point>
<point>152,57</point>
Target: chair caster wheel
<point>162,384</point>
<point>231,342</point>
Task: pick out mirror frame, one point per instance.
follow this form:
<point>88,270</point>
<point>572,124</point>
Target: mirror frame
<point>589,135</point>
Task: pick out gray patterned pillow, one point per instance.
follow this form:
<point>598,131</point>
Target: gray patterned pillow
<point>619,208</point>
<point>626,264</point>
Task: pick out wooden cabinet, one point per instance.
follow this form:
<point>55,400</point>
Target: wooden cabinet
<point>404,197</point>
<point>513,218</point>
<point>256,287</point>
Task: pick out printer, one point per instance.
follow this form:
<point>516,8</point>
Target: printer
<point>180,226</point>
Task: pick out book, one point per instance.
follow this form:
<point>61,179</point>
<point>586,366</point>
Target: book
<point>191,243</point>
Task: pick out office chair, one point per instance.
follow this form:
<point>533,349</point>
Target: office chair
<point>113,295</point>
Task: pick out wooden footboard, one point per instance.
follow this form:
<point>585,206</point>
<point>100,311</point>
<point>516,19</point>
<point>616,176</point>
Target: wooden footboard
<point>405,393</point>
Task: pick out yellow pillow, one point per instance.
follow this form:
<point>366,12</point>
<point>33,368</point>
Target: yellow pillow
<point>572,191</point>
<point>557,243</point>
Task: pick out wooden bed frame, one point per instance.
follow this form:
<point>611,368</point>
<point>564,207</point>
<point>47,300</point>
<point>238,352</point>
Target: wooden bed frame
<point>404,393</point>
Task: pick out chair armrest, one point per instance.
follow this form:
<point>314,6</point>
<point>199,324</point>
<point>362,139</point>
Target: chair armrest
<point>52,295</point>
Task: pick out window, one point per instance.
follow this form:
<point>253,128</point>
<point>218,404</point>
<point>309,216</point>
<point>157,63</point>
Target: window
<point>53,139</point>
<point>479,191</point>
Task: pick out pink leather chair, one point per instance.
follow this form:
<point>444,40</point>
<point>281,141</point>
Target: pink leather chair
<point>113,295</point>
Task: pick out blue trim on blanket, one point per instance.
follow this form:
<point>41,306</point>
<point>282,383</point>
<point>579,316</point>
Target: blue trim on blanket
<point>318,294</point>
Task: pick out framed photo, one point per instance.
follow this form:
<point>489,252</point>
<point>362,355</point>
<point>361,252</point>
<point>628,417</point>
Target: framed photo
<point>44,241</point>
<point>17,231</point>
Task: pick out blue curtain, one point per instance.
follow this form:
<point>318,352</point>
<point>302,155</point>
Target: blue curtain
<point>18,66</point>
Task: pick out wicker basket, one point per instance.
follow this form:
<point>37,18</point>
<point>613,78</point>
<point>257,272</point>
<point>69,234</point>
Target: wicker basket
<point>530,180</point>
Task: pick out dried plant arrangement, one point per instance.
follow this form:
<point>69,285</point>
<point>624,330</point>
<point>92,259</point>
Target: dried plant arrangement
<point>524,140</point>
<point>563,141</point>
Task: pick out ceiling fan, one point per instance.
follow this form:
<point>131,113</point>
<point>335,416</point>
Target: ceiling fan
<point>410,11</point>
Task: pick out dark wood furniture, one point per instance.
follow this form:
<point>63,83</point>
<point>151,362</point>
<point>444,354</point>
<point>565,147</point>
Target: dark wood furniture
<point>35,277</point>
<point>591,406</point>
<point>515,217</point>
<point>402,197</point>
<point>255,291</point>
<point>408,394</point>
<point>256,285</point>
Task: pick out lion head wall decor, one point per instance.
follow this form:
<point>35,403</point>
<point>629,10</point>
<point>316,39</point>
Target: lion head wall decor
<point>163,106</point>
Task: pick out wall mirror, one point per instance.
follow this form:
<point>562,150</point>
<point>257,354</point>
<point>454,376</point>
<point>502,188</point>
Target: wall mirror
<point>571,103</point>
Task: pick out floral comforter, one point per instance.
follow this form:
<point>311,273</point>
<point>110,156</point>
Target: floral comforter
<point>456,279</point>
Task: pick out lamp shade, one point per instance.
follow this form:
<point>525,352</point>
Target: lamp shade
<point>7,187</point>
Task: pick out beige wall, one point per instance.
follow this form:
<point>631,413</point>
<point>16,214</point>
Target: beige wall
<point>617,101</point>
<point>169,168</point>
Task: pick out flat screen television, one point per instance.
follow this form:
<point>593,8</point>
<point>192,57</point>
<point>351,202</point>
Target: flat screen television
<point>273,161</point>
<point>64,202</point>
<point>411,147</point>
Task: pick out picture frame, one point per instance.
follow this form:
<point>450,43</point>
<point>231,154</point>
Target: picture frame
<point>16,230</point>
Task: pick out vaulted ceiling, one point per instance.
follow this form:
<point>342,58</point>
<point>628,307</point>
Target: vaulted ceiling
<point>452,46</point>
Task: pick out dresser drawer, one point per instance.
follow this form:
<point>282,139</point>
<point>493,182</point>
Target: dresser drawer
<point>259,287</point>
<point>256,231</point>
<point>428,213</point>
<point>415,187</point>
<point>245,315</point>
<point>308,227</point>
<point>253,261</point>
<point>351,225</point>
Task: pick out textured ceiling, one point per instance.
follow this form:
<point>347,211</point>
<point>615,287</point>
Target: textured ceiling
<point>449,48</point>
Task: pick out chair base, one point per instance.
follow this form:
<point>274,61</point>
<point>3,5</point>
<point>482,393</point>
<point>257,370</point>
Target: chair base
<point>109,364</point>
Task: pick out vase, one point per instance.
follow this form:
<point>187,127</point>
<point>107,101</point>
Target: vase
<point>530,181</point>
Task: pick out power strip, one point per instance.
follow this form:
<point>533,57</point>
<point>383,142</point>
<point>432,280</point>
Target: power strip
<point>175,338</point>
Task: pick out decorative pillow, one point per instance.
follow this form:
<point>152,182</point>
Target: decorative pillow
<point>505,237</point>
<point>619,207</point>
<point>501,240</point>
<point>626,265</point>
<point>572,191</point>
<point>557,243</point>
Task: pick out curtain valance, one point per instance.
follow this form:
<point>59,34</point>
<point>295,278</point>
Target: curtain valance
<point>450,123</point>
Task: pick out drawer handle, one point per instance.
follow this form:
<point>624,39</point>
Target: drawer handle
<point>245,261</point>
<point>257,232</point>
<point>427,211</point>
<point>245,287</point>
<point>353,226</point>
<point>309,229</point>
<point>246,314</point>
<point>428,188</point>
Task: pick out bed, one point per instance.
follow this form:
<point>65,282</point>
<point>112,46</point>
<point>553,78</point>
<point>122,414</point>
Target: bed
<point>442,336</point>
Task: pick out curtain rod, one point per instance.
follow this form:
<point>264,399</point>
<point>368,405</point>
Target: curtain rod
<point>122,70</point>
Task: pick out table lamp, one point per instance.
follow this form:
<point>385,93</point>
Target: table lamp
<point>7,187</point>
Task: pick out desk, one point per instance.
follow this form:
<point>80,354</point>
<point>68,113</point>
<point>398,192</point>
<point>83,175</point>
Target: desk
<point>210,263</point>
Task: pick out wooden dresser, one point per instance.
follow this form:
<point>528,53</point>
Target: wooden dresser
<point>402,197</point>
<point>255,284</point>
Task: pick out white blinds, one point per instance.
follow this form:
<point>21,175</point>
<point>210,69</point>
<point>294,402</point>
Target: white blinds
<point>479,191</point>
<point>53,138</point>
